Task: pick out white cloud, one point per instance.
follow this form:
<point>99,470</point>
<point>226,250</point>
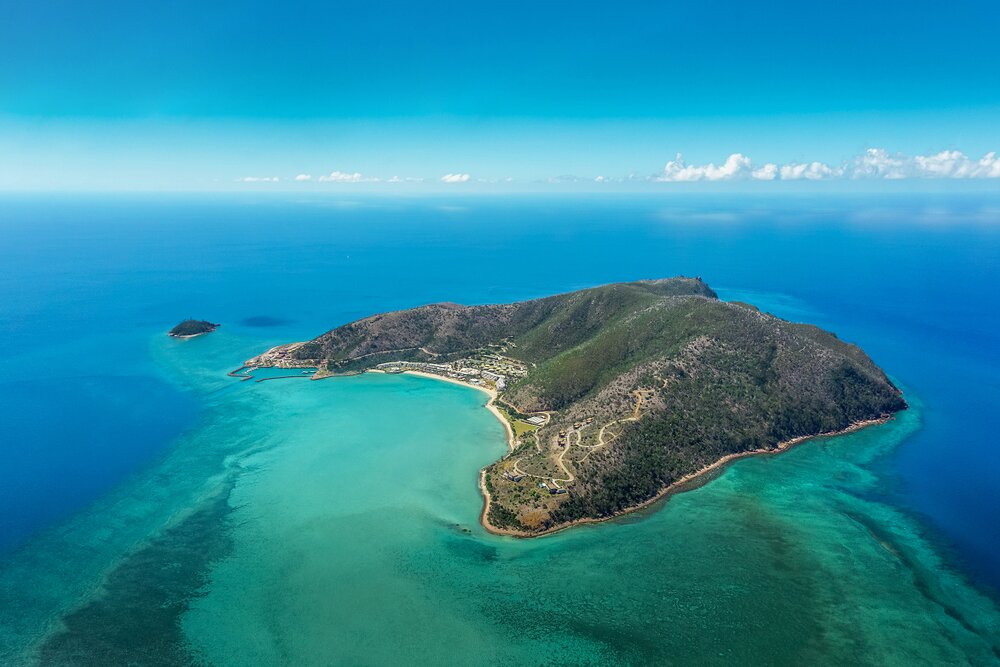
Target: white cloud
<point>405,179</point>
<point>946,164</point>
<point>739,167</point>
<point>303,177</point>
<point>260,179</point>
<point>346,177</point>
<point>989,166</point>
<point>768,172</point>
<point>873,164</point>
<point>810,171</point>
<point>955,164</point>
<point>455,178</point>
<point>877,163</point>
<point>735,167</point>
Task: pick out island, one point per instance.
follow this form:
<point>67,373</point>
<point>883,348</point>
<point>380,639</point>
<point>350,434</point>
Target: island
<point>192,328</point>
<point>616,396</point>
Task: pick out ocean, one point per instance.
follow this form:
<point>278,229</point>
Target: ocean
<point>155,510</point>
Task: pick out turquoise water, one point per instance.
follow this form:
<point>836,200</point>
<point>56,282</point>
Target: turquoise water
<point>336,522</point>
<point>363,547</point>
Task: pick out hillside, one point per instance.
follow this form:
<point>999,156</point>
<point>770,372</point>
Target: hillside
<point>641,384</point>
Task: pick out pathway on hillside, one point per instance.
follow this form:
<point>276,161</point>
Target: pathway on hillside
<point>601,442</point>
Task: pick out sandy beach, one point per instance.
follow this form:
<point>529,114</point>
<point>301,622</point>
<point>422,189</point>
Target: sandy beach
<point>186,336</point>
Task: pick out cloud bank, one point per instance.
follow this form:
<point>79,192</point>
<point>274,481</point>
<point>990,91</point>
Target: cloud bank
<point>874,163</point>
<point>346,177</point>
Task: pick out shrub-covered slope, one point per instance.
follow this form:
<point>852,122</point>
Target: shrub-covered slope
<point>189,328</point>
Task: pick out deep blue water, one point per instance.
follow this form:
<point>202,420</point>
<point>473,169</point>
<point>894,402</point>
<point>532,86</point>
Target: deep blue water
<point>87,282</point>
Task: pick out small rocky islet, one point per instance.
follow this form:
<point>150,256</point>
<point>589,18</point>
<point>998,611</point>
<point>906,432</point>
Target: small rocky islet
<point>192,328</point>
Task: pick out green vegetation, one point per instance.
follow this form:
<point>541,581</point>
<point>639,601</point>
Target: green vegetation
<point>192,328</point>
<point>694,378</point>
<point>516,420</point>
<point>520,428</point>
<point>511,412</point>
<point>446,331</point>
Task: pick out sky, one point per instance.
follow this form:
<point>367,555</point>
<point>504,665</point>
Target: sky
<point>405,96</point>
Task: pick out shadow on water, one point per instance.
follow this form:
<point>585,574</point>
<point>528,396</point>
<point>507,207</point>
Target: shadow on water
<point>264,321</point>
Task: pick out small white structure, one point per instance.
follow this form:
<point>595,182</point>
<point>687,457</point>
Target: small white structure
<point>535,421</point>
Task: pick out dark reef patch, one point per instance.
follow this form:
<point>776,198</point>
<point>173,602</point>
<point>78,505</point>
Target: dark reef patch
<point>136,621</point>
<point>923,580</point>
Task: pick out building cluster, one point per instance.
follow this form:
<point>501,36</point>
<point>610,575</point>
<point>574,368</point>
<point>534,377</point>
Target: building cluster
<point>500,365</point>
<point>497,379</point>
<point>563,435</point>
<point>464,370</point>
<point>484,366</point>
<point>552,486</point>
<point>400,366</point>
<point>489,366</point>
